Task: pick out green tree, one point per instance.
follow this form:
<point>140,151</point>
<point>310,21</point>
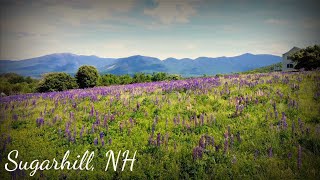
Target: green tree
<point>109,79</point>
<point>57,81</point>
<point>125,79</point>
<point>308,58</point>
<point>141,77</point>
<point>159,76</point>
<point>87,76</point>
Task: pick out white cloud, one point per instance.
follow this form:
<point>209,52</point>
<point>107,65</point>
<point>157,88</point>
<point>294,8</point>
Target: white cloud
<point>276,21</point>
<point>175,11</point>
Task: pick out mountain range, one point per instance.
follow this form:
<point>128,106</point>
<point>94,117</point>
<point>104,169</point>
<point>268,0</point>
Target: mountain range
<point>69,63</point>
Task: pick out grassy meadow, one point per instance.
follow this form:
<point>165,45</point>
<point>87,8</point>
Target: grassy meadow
<point>249,126</point>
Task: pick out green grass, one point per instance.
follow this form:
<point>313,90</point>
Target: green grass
<point>173,158</point>
<point>265,69</point>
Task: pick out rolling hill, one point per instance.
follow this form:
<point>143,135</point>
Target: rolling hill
<point>67,62</point>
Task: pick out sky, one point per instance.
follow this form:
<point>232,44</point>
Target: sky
<point>157,28</point>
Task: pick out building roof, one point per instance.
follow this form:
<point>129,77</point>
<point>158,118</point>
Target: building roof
<point>294,49</point>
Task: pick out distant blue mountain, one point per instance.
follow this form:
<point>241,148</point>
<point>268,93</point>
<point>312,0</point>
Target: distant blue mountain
<point>69,63</point>
<point>190,67</point>
<point>62,62</point>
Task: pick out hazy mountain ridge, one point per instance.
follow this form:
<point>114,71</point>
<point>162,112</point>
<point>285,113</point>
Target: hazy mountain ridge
<point>67,62</point>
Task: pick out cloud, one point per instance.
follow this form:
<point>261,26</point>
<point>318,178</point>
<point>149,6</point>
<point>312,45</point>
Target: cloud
<point>175,11</point>
<point>277,22</point>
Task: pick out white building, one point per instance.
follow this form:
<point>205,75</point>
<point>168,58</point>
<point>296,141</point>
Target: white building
<point>287,64</point>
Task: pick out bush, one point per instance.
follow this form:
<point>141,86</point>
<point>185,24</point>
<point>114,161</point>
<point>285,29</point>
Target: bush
<point>141,77</point>
<point>87,76</point>
<point>58,81</point>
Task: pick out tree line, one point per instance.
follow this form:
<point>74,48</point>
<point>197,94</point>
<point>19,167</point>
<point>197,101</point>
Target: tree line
<point>86,77</point>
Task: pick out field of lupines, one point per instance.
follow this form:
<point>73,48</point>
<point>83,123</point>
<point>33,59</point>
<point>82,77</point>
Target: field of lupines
<point>235,126</point>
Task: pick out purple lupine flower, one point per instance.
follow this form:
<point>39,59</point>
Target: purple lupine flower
<point>174,121</point>
<point>102,142</point>
<point>95,141</point>
<point>256,154</point>
<point>112,118</point>
<point>308,131</point>
<point>71,115</point>
<point>55,119</point>
<point>238,137</point>
<point>231,141</point>
<point>121,126</point>
<point>270,152</point>
<point>74,134</point>
<point>15,117</point>
<point>105,120</point>
<point>276,114</point>
<point>202,119</point>
<point>101,135</point>
<point>229,131</point>
<point>301,125</point>
<point>212,141</point>
<point>150,140</point>
<point>202,142</point>
<point>299,157</point>
<point>158,139</point>
<point>225,145</point>
<point>284,121</point>
<point>197,153</point>
<point>81,132</point>
<point>217,147</point>
<point>138,105</point>
<point>97,120</point>
<point>292,127</point>
<point>110,141</point>
<point>289,155</point>
<point>40,121</point>
<point>131,121</point>
<point>92,111</point>
<point>92,128</point>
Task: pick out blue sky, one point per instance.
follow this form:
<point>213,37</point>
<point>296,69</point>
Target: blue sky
<point>158,28</point>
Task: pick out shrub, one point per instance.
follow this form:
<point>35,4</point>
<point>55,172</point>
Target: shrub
<point>87,76</point>
<point>57,81</point>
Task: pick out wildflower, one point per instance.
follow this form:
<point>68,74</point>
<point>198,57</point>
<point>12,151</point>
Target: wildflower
<point>81,132</point>
<point>231,141</point>
<point>197,153</point>
<point>270,152</point>
<point>201,142</point>
<point>299,157</point>
<point>92,128</point>
<point>102,142</point>
<point>15,117</point>
<point>95,141</point>
<point>217,147</point>
<point>158,139</point>
<point>256,154</point>
<point>92,111</point>
<point>101,135</point>
<point>284,121</point>
<point>40,121</point>
<point>238,137</point>
<point>225,145</point>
